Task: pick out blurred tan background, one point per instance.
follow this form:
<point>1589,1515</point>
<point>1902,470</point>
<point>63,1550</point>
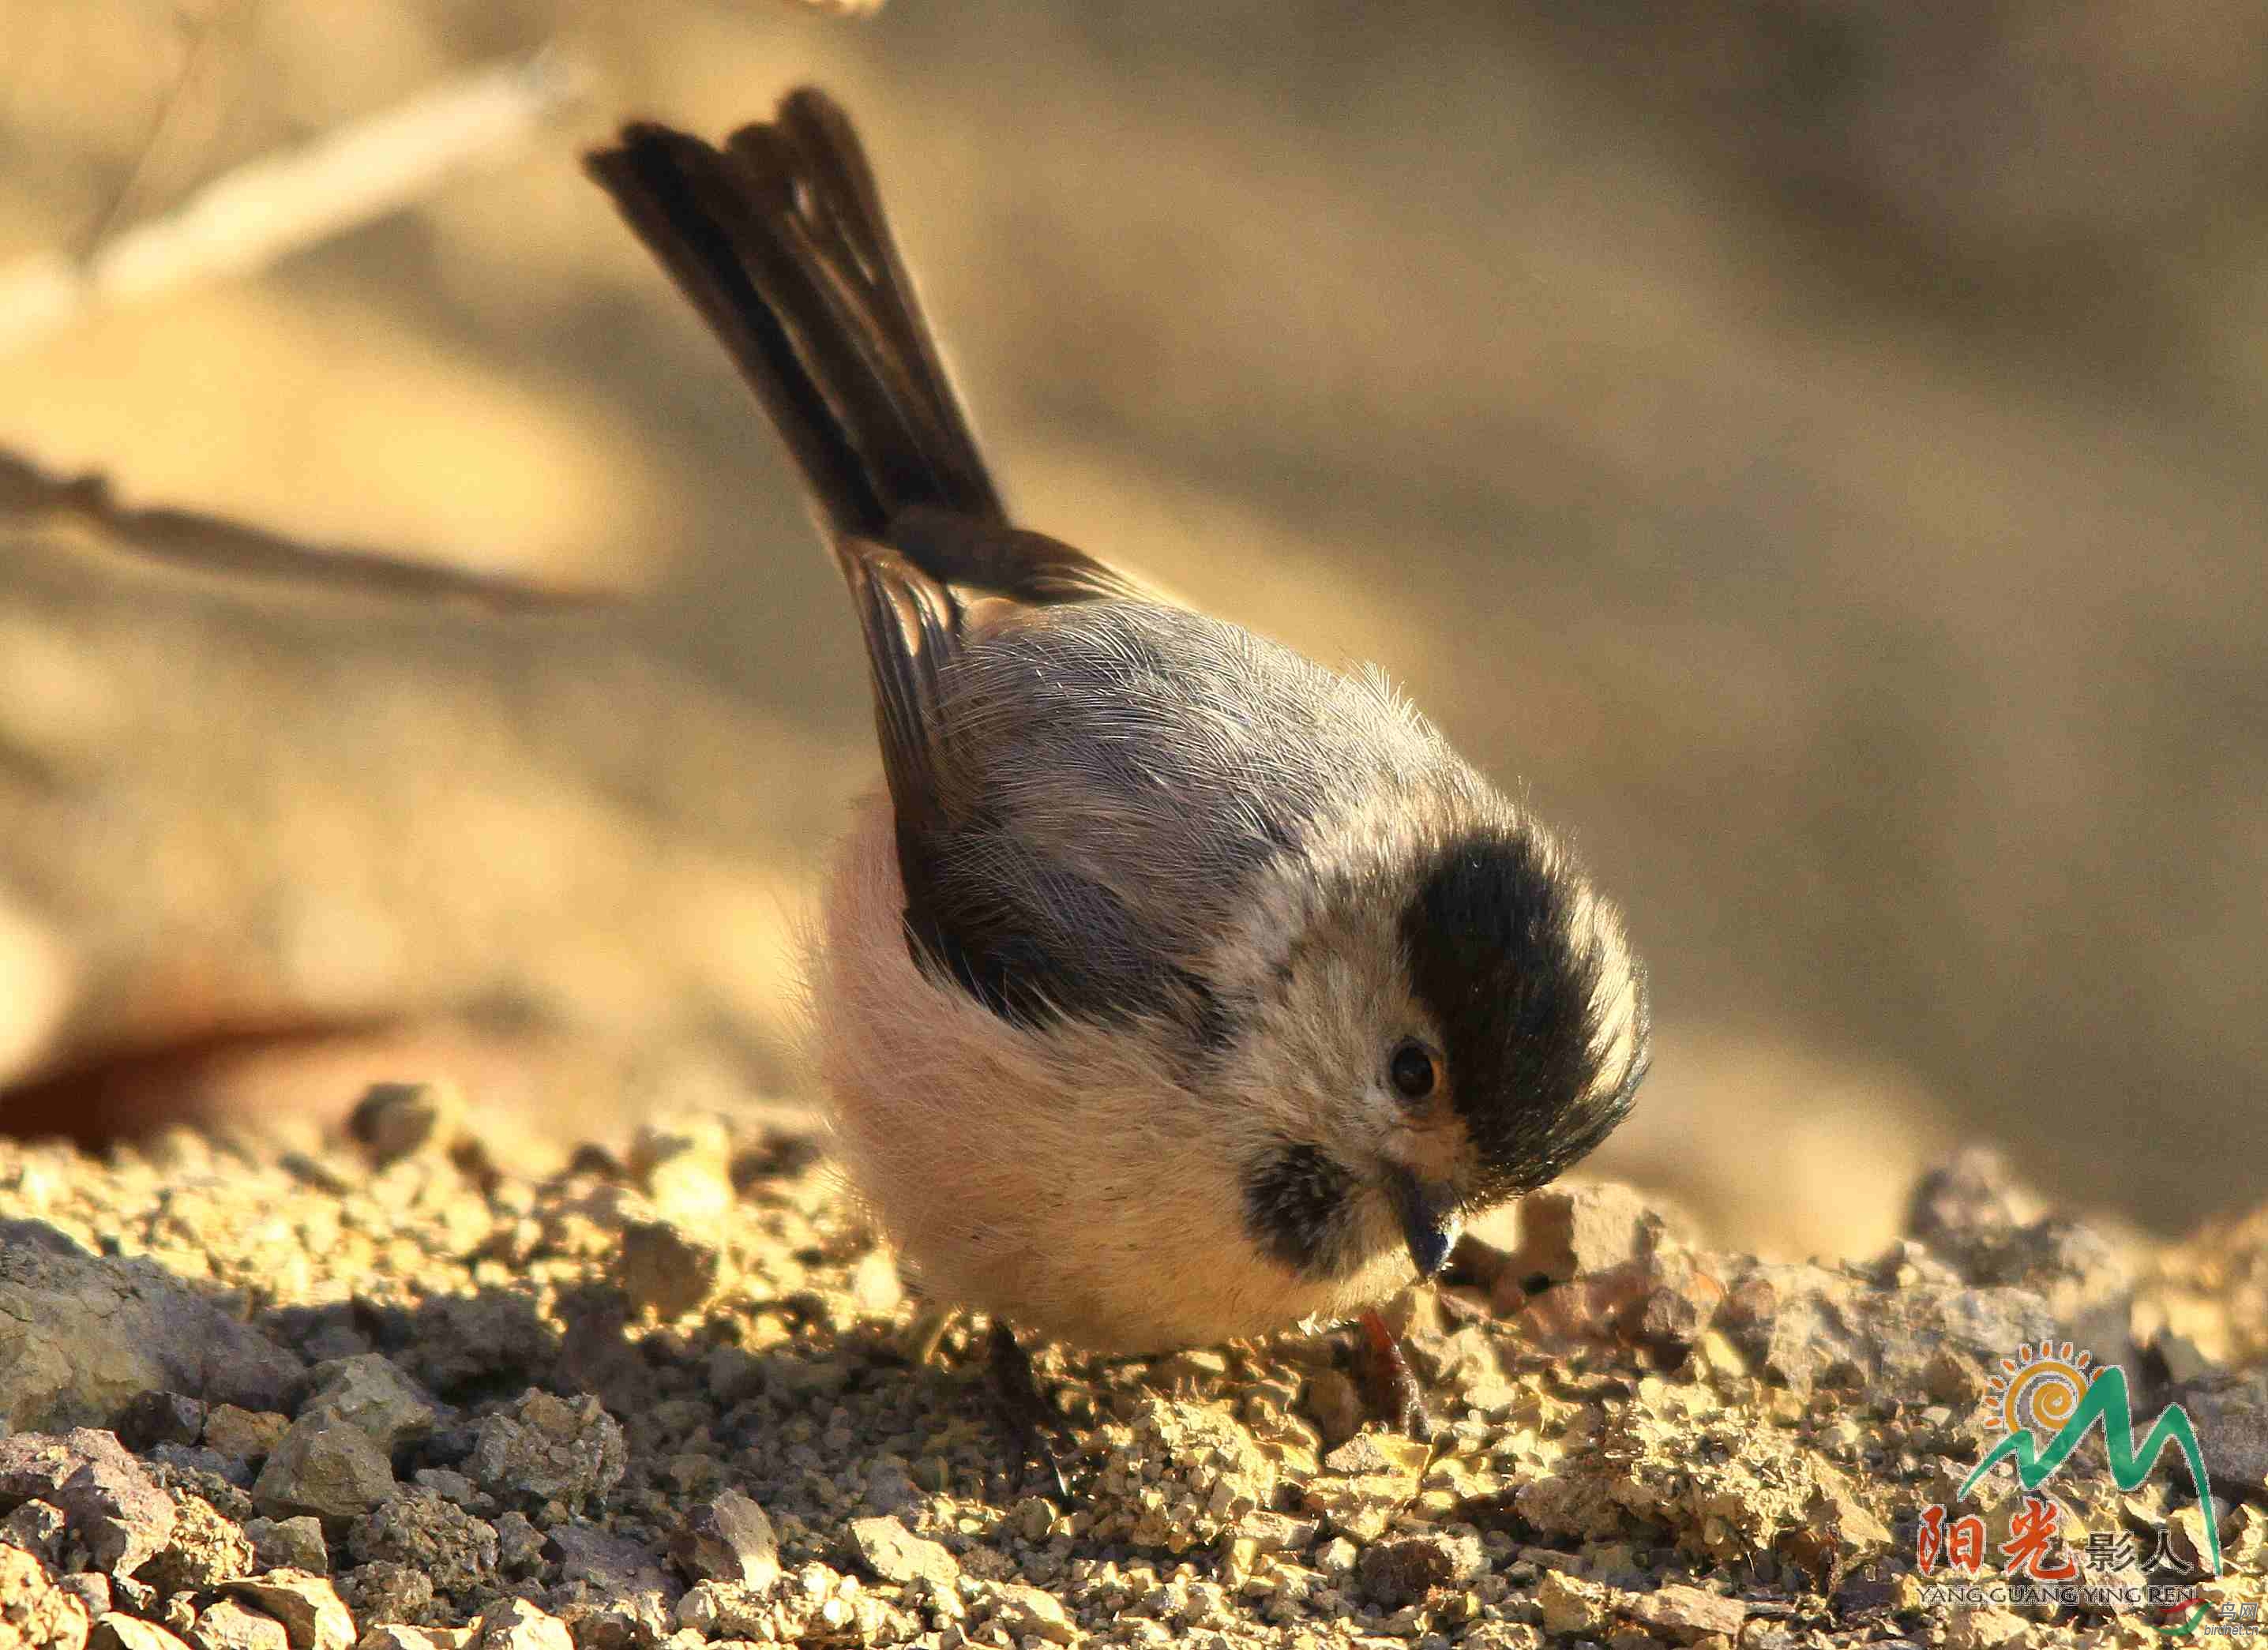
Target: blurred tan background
<point>1815,447</point>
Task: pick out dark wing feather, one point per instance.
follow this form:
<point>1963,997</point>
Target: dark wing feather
<point>838,212</point>
<point>780,241</point>
<point>1013,561</point>
<point>710,224</point>
<point>912,627</point>
<point>1023,932</point>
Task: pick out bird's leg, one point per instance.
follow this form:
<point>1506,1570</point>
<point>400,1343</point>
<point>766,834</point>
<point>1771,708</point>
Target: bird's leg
<point>1389,1384</point>
<point>1021,1409</point>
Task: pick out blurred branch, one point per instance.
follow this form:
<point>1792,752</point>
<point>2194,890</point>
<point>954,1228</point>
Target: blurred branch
<point>211,544</point>
<point>268,207</point>
<point>198,35</point>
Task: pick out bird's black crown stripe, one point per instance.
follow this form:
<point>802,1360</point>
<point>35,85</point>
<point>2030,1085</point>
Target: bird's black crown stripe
<point>1498,954</point>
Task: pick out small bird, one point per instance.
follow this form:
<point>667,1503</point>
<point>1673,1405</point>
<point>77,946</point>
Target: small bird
<point>1178,989</point>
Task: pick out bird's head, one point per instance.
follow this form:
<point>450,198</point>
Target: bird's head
<point>1453,1017</point>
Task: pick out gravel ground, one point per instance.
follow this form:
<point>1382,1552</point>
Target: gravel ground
<point>298,1394</point>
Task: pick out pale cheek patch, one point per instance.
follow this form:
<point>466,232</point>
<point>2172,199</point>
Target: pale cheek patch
<point>1618,1011</point>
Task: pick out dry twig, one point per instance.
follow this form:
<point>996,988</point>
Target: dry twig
<point>279,203</point>
<point>212,544</point>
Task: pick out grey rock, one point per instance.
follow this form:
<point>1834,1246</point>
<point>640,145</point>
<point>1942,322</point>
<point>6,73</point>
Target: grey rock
<point>1569,1606</point>
<point>2057,1256</point>
<point>371,1394</point>
<point>727,1539</point>
<point>662,1271</point>
<point>1679,1302</point>
<point>2184,1360</point>
<point>611,1562</point>
<point>244,1434</point>
<point>1404,1569</point>
<point>1971,1199</point>
<point>1568,1232</point>
<point>92,1589</point>
<point>38,1528</point>
<point>611,1592</point>
<point>289,1543</point>
<point>1973,1215</point>
<point>520,1545</point>
<point>1688,1614</point>
<point>728,1610</point>
<point>890,1488</point>
<point>390,1591</point>
<point>394,1121</point>
<point>331,1332</point>
<point>313,1614</point>
<point>450,1486</point>
<point>137,1597</point>
<point>891,1552</point>
<point>226,1625</point>
<point>418,1529</point>
<point>2230,1415</point>
<point>1837,1515</point>
<point>326,1469</point>
<point>1337,1406</point>
<point>1811,1326</point>
<point>192,1463</point>
<point>206,1550</point>
<point>81,1337</point>
<point>151,1418</point>
<point>1277,1532</point>
<point>113,1507</point>
<point>1028,1612</point>
<point>465,1340</point>
<point>545,1448</point>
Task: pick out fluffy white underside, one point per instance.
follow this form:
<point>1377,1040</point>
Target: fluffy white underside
<point>1056,1178</point>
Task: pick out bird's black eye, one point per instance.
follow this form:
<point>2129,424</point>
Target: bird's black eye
<point>1412,1069</point>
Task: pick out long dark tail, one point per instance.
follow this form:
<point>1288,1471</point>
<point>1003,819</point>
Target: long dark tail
<point>778,238</point>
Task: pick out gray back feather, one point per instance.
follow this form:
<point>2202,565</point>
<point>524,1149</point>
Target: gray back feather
<point>1121,771</point>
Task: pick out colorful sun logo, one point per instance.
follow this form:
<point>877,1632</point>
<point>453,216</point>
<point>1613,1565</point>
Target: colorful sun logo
<point>2040,1387</point>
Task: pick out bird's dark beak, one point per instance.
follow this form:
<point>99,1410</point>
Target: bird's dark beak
<point>1429,1219</point>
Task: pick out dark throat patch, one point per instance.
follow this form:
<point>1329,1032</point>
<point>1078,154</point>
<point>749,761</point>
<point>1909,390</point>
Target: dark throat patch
<point>1298,1205</point>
